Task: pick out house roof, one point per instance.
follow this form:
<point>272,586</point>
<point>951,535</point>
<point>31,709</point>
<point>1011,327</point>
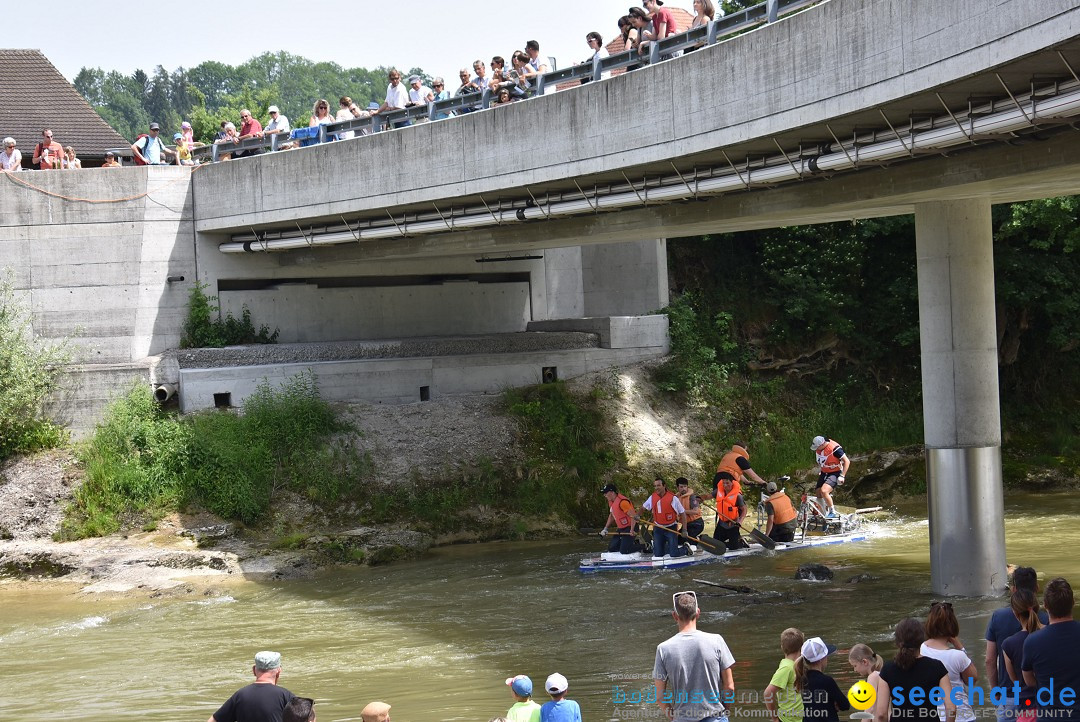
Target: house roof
<point>37,96</point>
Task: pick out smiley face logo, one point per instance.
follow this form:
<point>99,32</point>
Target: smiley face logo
<point>861,695</point>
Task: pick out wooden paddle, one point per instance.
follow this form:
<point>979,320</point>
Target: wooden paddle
<point>715,546</point>
<point>756,534</point>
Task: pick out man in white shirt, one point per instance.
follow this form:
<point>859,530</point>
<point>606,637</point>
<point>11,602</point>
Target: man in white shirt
<point>396,97</point>
<point>278,122</point>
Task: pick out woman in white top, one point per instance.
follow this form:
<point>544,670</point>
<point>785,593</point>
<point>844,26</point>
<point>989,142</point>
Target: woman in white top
<point>943,645</point>
<point>320,114</point>
<point>10,156</point>
<point>705,10</point>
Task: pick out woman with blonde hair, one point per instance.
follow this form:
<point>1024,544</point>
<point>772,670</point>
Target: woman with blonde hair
<point>705,10</point>
<point>70,162</point>
<point>866,664</point>
<point>320,113</point>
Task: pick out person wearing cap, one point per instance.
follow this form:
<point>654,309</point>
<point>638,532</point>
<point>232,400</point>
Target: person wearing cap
<point>261,701</point>
<point>279,123</point>
<point>524,709</point>
<point>110,161</point>
<point>623,515</point>
<point>150,149</point>
<point>376,712</point>
<point>782,519</point>
<point>183,153</point>
<point>822,698</point>
<point>668,516</point>
<point>559,709</point>
<point>833,464</point>
<point>10,157</point>
<point>188,135</point>
<point>419,94</point>
<point>695,524</point>
<point>693,669</point>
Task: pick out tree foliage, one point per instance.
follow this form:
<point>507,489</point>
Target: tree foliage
<point>212,92</point>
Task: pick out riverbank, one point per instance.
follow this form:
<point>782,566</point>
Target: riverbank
<point>449,471</point>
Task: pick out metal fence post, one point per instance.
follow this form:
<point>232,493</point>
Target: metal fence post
<point>596,66</point>
<point>774,8</point>
<point>322,133</point>
<point>654,52</point>
<point>485,98</point>
<point>714,31</point>
<point>540,84</point>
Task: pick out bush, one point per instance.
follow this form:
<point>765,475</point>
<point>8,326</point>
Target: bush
<point>29,372</point>
<point>204,327</point>
<point>144,461</point>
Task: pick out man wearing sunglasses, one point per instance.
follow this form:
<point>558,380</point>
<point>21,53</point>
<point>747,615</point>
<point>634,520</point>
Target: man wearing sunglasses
<point>668,515</point>
<point>692,671</point>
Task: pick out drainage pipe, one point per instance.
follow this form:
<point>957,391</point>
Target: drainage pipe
<point>164,392</point>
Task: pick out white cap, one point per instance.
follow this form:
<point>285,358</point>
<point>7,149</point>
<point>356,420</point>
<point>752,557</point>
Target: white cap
<point>556,684</point>
<point>273,109</point>
<point>817,443</point>
<point>815,649</point>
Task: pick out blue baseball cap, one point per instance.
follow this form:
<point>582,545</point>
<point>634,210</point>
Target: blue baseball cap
<point>521,685</point>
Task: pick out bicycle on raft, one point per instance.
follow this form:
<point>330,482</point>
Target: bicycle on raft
<point>811,514</point>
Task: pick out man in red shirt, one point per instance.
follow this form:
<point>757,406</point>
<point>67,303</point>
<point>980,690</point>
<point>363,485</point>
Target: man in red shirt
<point>250,127</point>
<point>47,151</point>
<point>662,19</point>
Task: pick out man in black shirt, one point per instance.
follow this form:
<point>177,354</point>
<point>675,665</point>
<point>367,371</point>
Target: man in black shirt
<point>262,700</point>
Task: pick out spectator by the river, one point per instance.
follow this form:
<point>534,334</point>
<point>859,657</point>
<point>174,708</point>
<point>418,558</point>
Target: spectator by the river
<point>1050,655</point>
<point>376,712</point>
<point>299,709</point>
<point>524,708</point>
<point>943,644</point>
<point>263,700</point>
<point>916,675</point>
<point>559,709</point>
<point>1003,625</point>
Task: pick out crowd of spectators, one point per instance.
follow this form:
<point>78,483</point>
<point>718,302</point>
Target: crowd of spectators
<point>930,676</point>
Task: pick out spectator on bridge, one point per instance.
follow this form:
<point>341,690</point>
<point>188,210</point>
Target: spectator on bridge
<point>347,110</point>
<point>498,65</point>
<point>278,122</point>
<point>151,150</point>
<point>188,135</point>
<point>397,98</point>
<point>481,80</point>
<point>320,115</point>
<point>228,135</point>
<point>221,134</point>
<point>639,19</point>
<point>48,153</point>
<point>534,66</point>
<point>250,127</point>
<point>110,161</point>
<point>503,98</point>
<point>183,153</point>
<point>438,86</point>
<point>419,94</point>
<point>10,157</point>
<point>630,37</point>
<point>596,45</point>
<point>520,85</point>
<point>705,12</point>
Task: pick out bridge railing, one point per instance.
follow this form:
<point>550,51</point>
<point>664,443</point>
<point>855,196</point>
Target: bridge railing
<point>700,36</point>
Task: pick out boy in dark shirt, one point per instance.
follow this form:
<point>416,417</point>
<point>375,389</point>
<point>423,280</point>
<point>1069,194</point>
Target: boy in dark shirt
<point>822,698</point>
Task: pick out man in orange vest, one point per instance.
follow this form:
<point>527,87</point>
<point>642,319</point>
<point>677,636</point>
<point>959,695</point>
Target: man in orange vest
<point>737,463</point>
<point>624,516</point>
<point>668,513</point>
<point>833,464</point>
<point>730,511</point>
<point>695,524</point>
<point>781,514</point>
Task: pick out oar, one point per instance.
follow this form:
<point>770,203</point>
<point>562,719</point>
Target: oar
<point>740,590</point>
<point>755,534</point>
<point>868,510</point>
<point>715,546</point>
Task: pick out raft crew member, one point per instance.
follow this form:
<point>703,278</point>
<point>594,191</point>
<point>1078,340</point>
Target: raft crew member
<point>781,514</point>
<point>624,516</point>
<point>668,513</point>
<point>695,525</point>
<point>834,464</point>
<point>730,511</point>
<point>737,463</point>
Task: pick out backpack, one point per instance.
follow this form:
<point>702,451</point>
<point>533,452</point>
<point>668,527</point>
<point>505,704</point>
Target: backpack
<point>145,146</point>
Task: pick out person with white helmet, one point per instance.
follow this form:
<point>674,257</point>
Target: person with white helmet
<point>833,465</point>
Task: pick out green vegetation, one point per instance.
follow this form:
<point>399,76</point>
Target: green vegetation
<point>204,327</point>
<point>29,372</point>
<point>145,462</point>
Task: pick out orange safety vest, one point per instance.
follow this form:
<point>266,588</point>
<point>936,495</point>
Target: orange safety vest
<point>726,507</point>
<point>691,514</point>
<point>730,463</point>
<point>826,459</point>
<point>782,509</point>
<point>662,516</point>
<point>619,513</point>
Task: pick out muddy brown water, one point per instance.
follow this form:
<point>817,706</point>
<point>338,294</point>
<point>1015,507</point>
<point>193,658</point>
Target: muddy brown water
<point>436,637</point>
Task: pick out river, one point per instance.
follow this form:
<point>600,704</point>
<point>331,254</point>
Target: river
<point>436,637</point>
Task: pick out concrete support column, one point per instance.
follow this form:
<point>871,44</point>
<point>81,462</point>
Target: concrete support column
<point>961,414</point>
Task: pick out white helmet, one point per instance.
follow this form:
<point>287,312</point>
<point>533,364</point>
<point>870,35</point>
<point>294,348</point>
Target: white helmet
<point>817,443</point>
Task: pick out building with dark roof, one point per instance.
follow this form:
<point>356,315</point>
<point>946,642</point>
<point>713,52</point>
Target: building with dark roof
<point>37,96</point>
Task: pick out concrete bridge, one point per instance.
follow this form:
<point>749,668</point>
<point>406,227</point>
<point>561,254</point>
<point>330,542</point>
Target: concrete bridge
<point>547,212</point>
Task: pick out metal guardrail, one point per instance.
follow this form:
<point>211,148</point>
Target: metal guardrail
<point>700,36</point>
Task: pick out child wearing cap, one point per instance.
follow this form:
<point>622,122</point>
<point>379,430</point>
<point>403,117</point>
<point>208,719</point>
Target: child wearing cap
<point>559,709</point>
<point>183,152</point>
<point>821,696</point>
<point>782,696</point>
<point>187,134</point>
<point>524,709</point>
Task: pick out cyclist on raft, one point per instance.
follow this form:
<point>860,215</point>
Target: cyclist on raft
<point>668,514</point>
<point>737,463</point>
<point>782,517</point>
<point>623,514</point>
<point>834,464</point>
<point>695,524</point>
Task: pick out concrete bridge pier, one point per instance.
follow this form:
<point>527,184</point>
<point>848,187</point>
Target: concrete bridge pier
<point>961,411</point>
